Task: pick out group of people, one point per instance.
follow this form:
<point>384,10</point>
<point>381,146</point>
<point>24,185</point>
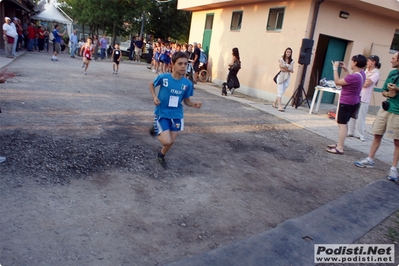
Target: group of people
<point>12,35</point>
<point>357,88</point>
<point>161,61</point>
<point>163,52</point>
<point>18,36</point>
<point>136,48</point>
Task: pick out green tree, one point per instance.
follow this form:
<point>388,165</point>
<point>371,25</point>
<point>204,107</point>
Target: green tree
<point>166,21</point>
<point>112,16</point>
<point>123,17</point>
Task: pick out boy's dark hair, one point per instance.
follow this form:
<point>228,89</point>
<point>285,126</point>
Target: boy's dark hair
<point>178,55</point>
<point>361,60</point>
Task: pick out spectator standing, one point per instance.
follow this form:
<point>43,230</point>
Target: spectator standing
<point>162,51</point>
<point>40,38</point>
<point>95,49</point>
<point>157,52</point>
<point>131,48</point>
<point>46,38</point>
<point>31,37</point>
<point>190,70</point>
<point>74,42</point>
<point>286,65</point>
<point>169,113</point>
<point>167,59</point>
<point>200,47</point>
<point>14,25</point>
<point>80,44</point>
<point>8,36</point>
<point>103,44</point>
<point>20,35</point>
<point>35,41</point>
<point>387,121</point>
<point>196,63</point>
<point>25,33</point>
<point>138,48</point>
<point>356,127</point>
<point>349,103</point>
<point>57,42</point>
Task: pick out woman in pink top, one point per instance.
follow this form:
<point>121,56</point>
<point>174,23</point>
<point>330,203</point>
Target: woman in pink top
<point>349,102</point>
<point>356,126</point>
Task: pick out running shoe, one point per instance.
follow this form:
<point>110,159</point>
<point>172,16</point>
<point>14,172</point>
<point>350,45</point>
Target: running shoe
<point>365,163</point>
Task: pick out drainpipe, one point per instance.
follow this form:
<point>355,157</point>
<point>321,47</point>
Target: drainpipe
<point>298,97</point>
<point>315,15</point>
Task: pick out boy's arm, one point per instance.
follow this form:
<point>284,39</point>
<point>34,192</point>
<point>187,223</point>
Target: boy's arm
<point>152,90</point>
<point>190,103</point>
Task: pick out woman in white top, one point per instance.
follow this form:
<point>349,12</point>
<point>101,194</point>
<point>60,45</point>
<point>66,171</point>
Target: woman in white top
<point>286,65</point>
<point>356,126</point>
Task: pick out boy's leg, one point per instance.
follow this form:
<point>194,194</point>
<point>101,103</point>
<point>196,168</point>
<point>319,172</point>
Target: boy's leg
<point>167,138</point>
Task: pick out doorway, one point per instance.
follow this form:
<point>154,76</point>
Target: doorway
<point>328,49</point>
<point>206,39</point>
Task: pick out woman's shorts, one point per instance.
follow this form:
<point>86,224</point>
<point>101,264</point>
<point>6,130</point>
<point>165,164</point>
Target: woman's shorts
<point>346,112</point>
<point>162,124</point>
<point>116,62</point>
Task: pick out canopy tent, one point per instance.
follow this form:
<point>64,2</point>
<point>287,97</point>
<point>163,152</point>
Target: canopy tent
<point>52,14</point>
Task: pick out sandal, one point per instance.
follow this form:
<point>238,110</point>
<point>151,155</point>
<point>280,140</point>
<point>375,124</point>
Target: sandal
<point>281,110</point>
<point>331,146</point>
<point>334,151</point>
<point>274,105</point>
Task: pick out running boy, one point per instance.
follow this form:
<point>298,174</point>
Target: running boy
<point>116,58</point>
<point>169,113</point>
<point>86,51</point>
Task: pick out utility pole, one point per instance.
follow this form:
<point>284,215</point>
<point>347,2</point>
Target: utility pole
<point>142,25</point>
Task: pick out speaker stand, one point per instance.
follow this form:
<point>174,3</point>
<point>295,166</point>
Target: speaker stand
<point>297,96</point>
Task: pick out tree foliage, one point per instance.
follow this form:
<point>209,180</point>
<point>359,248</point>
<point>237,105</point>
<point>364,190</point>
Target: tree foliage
<point>124,17</point>
<point>165,21</point>
<point>108,15</point>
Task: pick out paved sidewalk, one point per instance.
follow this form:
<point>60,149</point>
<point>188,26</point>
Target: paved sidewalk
<point>341,221</point>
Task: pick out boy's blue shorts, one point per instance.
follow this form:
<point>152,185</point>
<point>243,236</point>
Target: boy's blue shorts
<point>162,124</point>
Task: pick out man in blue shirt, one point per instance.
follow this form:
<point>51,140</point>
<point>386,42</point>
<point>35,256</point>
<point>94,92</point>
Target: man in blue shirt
<point>74,41</point>
<point>103,45</point>
<point>169,113</point>
<point>57,42</point>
